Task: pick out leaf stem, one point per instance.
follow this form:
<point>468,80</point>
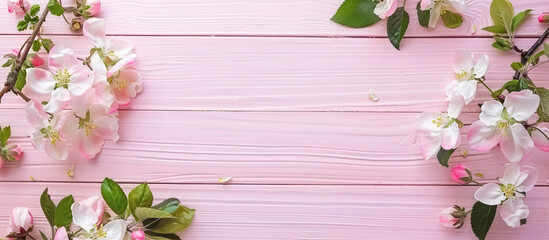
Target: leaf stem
<point>525,55</point>
<point>481,80</point>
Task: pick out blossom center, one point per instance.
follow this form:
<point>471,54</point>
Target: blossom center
<point>99,233</point>
<point>508,190</point>
<point>441,120</point>
<point>86,124</point>
<point>62,78</point>
<point>52,134</point>
<point>503,126</point>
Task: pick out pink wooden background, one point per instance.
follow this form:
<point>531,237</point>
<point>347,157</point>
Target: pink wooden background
<point>275,95</point>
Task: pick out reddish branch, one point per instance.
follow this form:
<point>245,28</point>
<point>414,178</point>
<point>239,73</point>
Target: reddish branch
<point>22,56</point>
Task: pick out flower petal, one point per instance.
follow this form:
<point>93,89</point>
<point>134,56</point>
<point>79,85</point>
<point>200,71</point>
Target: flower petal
<point>40,81</point>
<point>430,145</point>
<point>491,112</point>
<point>60,98</point>
<point>115,230</point>
<point>458,5</point>
<point>490,194</point>
<point>451,138</point>
<point>481,137</point>
<point>481,67</point>
<point>99,69</point>
<point>121,48</point>
<point>434,15</point>
<point>36,115</point>
<point>385,8</point>
<point>83,216</point>
<point>94,31</point>
<point>80,82</point>
<point>512,211</point>
<point>463,63</point>
<point>528,178</point>
<point>467,89</point>
<point>521,105</point>
<point>62,58</point>
<point>57,151</point>
<point>511,174</point>
<point>425,121</point>
<point>518,145</point>
<point>89,145</point>
<point>540,139</point>
<point>455,105</point>
<point>107,128</point>
<point>131,86</point>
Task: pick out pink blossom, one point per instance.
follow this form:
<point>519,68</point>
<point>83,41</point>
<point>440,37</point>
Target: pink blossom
<point>446,218</point>
<point>459,172</point>
<point>138,235</point>
<point>18,6</point>
<point>21,220</point>
<point>12,152</point>
<point>61,234</point>
<point>95,6</point>
<point>543,17</point>
<point>97,205</point>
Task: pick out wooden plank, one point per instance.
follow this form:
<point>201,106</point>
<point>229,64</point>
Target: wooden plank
<point>264,17</point>
<point>257,148</point>
<point>296,74</point>
<point>303,212</point>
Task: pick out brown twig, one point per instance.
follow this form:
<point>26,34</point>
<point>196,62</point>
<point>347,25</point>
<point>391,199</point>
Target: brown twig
<point>21,57</point>
<point>525,55</point>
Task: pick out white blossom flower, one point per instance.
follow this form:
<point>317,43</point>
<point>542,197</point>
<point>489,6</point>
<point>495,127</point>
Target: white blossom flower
<point>441,129</point>
<point>502,124</point>
<point>508,193</point>
<point>466,75</point>
<point>385,8</point>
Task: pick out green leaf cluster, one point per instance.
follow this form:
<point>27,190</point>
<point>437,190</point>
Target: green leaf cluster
<point>506,23</point>
<point>30,20</point>
<point>59,215</point>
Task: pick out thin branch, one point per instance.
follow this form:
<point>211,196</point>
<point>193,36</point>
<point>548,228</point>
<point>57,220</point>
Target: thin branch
<point>525,55</point>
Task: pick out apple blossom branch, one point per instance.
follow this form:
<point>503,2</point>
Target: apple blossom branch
<point>21,57</point>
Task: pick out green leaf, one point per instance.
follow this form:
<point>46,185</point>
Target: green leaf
<point>159,236</point>
<point>356,13</point>
<point>519,18</point>
<point>397,25</point>
<point>21,79</point>
<point>516,66</point>
<point>43,236</point>
<point>169,205</point>
<point>48,207</point>
<point>55,8</point>
<point>63,212</point>
<point>543,108</point>
<point>502,13</point>
<point>22,25</point>
<point>502,44</point>
<point>423,15</point>
<point>443,156</point>
<point>8,63</point>
<point>482,217</point>
<point>5,134</point>
<point>36,45</point>
<point>148,213</point>
<point>140,196</point>
<point>451,19</point>
<point>47,44</point>
<point>184,218</point>
<point>534,58</point>
<point>546,49</point>
<point>34,9</point>
<point>114,196</point>
<point>495,29</point>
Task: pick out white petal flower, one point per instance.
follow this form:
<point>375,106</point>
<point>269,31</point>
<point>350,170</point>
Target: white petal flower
<point>436,7</point>
<point>385,8</point>
<point>466,75</point>
<point>510,190</point>
<point>501,124</point>
<point>48,135</point>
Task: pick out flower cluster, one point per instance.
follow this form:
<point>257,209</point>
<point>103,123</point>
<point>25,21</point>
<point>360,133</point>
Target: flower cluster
<point>75,101</point>
<point>131,217</point>
<point>364,13</point>
<point>512,119</point>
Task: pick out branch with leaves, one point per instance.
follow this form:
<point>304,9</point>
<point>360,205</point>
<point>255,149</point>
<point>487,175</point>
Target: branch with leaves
<point>515,119</point>
<point>73,101</point>
<point>365,13</point>
<point>131,216</point>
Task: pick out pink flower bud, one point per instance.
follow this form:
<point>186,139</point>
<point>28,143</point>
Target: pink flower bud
<point>138,235</point>
<point>95,6</point>
<point>446,218</point>
<point>97,205</point>
<point>14,152</point>
<point>18,6</point>
<point>21,220</point>
<point>37,61</point>
<point>460,174</point>
<point>543,17</point>
<point>61,234</point>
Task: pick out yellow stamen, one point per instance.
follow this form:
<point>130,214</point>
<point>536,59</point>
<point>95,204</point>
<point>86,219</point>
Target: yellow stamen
<point>53,135</point>
<point>508,190</point>
<point>503,125</point>
<point>62,78</point>
<point>89,126</point>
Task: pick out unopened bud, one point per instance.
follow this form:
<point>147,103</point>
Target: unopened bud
<point>543,17</point>
<point>76,24</point>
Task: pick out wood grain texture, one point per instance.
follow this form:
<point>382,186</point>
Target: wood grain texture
<point>305,212</point>
<point>264,17</point>
<point>258,148</point>
<point>297,74</point>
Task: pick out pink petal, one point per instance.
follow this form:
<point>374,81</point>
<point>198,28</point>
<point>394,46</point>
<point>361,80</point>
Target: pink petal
<point>481,137</point>
<point>518,145</point>
<point>80,82</point>
<point>540,139</point>
<point>62,58</point>
<point>133,86</point>
<point>90,145</point>
<point>491,112</point>
<point>59,100</point>
<point>512,211</point>
<point>94,31</point>
<point>40,81</point>
<point>57,151</point>
<point>36,114</point>
<point>451,138</point>
<point>122,48</point>
<point>521,105</point>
